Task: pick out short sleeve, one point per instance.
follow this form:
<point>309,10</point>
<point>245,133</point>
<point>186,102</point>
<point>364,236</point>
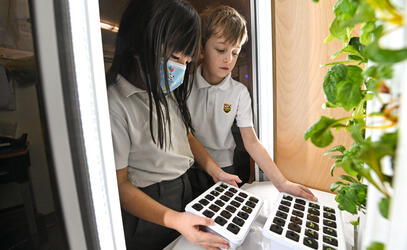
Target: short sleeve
<point>121,140</point>
<point>244,116</point>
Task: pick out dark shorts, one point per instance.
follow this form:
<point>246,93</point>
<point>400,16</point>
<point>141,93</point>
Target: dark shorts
<point>201,181</point>
<point>141,234</point>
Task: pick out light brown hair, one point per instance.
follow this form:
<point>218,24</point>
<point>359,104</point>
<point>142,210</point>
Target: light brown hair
<point>223,21</point>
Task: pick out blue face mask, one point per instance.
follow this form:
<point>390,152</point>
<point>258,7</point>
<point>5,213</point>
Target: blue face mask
<point>176,72</point>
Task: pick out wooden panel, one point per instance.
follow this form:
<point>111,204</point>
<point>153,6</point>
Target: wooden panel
<point>300,26</point>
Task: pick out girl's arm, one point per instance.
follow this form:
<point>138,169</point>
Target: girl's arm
<point>136,202</point>
<point>208,164</point>
<point>263,159</point>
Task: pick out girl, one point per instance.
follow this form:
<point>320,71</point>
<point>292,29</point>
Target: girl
<point>151,124</point>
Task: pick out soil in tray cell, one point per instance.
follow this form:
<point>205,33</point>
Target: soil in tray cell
<point>239,199</point>
<point>247,209</point>
<point>243,215</point>
<point>233,228</point>
<point>330,240</point>
<point>300,201</point>
<point>208,213</point>
<point>215,193</point>
<point>313,211</point>
<point>313,205</point>
<point>287,197</point>
<point>219,203</point>
<point>292,235</point>
<point>281,214</point>
<point>329,210</point>
<point>330,223</point>
<point>299,207</point>
<point>294,227</point>
<point>312,243</point>
<point>204,202</point>
<point>279,221</point>
<point>330,231</point>
<point>312,225</point>
<point>238,221</point>
<point>298,213</point>
<point>235,203</point>
<point>219,189</point>
<point>325,247</point>
<point>197,206</point>
<point>226,214</point>
<point>209,197</point>
<point>253,199</point>
<point>313,217</point>
<point>233,190</point>
<point>283,208</point>
<point>244,195</point>
<point>227,193</point>
<point>231,209</point>
<point>311,233</point>
<point>224,185</point>
<point>276,228</point>
<point>285,203</point>
<point>251,204</point>
<point>214,208</point>
<point>330,216</point>
<point>296,220</point>
<point>225,198</point>
<point>220,220</point>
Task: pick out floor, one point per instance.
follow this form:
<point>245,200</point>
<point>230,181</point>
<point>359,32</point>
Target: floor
<point>14,233</point>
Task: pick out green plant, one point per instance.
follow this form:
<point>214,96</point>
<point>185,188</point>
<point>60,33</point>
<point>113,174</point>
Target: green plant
<point>349,84</point>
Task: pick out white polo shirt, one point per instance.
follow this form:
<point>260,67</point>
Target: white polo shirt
<point>133,146</point>
<point>213,109</point>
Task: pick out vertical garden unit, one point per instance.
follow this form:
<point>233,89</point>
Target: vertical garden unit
<point>368,85</point>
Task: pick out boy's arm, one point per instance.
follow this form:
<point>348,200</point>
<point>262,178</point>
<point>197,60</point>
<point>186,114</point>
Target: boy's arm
<point>137,203</point>
<point>263,159</point>
<point>206,162</point>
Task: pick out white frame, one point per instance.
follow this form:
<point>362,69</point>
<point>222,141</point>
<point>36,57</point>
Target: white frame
<point>263,84</point>
<point>94,122</point>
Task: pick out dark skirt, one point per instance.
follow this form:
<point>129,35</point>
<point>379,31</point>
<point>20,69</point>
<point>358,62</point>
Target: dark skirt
<point>141,234</point>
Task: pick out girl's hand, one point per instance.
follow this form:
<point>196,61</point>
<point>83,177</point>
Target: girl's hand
<point>297,190</point>
<point>188,225</point>
<point>225,177</point>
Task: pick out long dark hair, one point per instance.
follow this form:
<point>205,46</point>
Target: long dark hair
<point>152,31</point>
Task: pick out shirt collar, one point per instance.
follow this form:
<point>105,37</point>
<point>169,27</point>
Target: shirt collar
<point>126,88</point>
<point>202,83</point>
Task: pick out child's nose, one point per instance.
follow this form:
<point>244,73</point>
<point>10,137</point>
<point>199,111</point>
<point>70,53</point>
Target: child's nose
<point>228,58</point>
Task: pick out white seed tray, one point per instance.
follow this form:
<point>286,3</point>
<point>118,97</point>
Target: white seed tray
<point>233,210</point>
<point>297,223</point>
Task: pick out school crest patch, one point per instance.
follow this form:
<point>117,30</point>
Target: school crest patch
<point>227,107</point>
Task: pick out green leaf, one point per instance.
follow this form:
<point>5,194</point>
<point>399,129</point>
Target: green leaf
<point>364,13</point>
<point>373,85</point>
<point>367,32</point>
<point>348,178</point>
<point>379,55</point>
<point>339,148</point>
<point>352,197</point>
<point>345,7</point>
<point>356,222</point>
<point>334,165</point>
<point>357,132</point>
<point>348,91</point>
<point>337,29</point>
<point>320,132</point>
<point>384,205</point>
<point>334,75</point>
<point>376,246</point>
<point>336,185</point>
<point>381,71</point>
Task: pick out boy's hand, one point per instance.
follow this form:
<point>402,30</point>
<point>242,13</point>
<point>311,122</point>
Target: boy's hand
<point>297,190</point>
<point>225,177</point>
<point>188,225</point>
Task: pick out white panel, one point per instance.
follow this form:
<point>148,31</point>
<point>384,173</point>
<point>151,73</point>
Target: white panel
<point>56,121</point>
<point>90,78</point>
<point>265,84</point>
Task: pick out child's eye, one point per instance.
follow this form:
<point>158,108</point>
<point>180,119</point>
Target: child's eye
<point>235,54</point>
<point>220,50</point>
<point>175,57</point>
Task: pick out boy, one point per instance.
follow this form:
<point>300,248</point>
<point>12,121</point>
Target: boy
<point>217,100</point>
